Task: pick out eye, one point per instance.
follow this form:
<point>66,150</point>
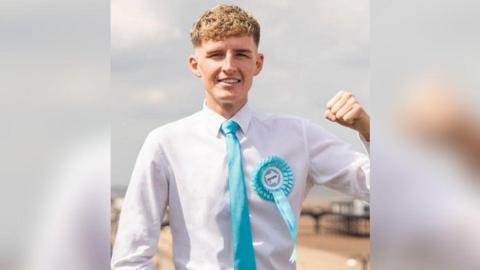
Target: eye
<point>216,55</point>
<point>243,55</point>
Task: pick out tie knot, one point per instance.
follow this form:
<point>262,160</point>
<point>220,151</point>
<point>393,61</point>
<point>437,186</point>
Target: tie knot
<point>229,127</point>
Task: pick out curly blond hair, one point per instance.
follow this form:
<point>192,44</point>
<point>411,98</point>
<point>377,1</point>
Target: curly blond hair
<point>223,21</point>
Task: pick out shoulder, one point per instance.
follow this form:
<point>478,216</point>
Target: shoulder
<point>278,119</point>
<point>286,122</point>
<point>289,124</point>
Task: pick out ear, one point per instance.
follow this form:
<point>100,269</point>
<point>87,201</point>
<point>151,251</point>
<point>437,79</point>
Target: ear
<point>193,64</point>
<point>259,63</point>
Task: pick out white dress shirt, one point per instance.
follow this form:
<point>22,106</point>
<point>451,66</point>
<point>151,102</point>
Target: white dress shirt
<point>183,165</point>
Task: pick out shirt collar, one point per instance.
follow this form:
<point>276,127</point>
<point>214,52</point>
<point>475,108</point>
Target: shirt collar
<point>215,120</point>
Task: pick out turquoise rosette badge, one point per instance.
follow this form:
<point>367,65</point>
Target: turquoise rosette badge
<point>273,181</point>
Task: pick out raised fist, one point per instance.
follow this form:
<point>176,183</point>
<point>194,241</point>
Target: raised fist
<point>344,109</point>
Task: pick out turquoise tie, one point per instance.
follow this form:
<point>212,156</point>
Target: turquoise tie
<point>243,255</point>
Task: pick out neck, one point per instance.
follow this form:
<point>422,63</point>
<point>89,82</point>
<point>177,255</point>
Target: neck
<point>226,110</point>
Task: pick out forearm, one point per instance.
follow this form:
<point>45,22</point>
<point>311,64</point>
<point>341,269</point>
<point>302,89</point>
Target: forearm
<point>137,235</point>
<point>364,128</point>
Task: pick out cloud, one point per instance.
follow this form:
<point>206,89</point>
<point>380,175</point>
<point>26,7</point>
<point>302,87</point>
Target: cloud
<point>135,23</point>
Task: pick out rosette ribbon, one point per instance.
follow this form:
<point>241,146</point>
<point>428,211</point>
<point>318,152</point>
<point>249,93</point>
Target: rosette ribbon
<point>273,181</point>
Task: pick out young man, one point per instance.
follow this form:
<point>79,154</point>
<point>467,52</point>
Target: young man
<point>234,179</point>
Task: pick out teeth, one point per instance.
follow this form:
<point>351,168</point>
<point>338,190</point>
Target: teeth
<point>230,80</point>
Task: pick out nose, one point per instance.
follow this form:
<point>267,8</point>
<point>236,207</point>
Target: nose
<point>229,66</point>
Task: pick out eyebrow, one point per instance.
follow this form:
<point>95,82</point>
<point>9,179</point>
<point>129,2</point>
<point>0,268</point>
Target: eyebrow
<point>243,51</point>
<point>236,51</point>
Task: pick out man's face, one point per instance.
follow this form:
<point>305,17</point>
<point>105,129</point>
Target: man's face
<point>227,68</point>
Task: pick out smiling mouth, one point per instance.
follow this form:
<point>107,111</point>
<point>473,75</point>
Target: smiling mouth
<point>229,81</point>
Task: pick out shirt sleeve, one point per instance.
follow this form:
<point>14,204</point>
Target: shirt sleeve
<point>335,164</point>
<point>142,211</point>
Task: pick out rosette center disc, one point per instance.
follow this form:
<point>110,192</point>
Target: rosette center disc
<point>272,175</point>
<point>272,178</point>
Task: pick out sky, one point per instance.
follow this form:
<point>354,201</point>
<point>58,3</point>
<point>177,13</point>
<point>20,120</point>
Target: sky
<point>311,52</point>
